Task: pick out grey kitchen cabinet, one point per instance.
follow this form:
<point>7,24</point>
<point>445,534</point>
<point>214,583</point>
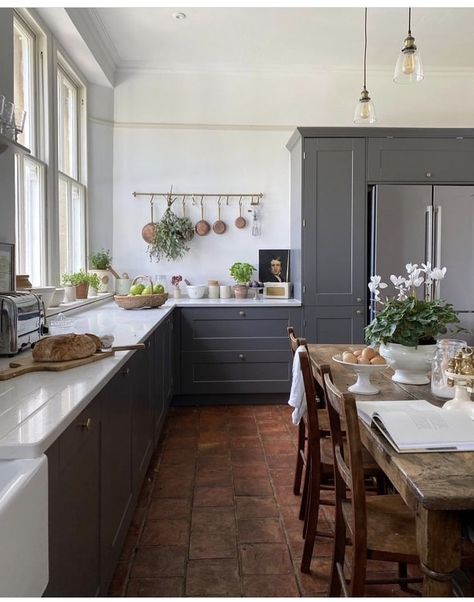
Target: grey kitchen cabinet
<point>236,350</point>
<point>162,374</point>
<point>334,324</point>
<point>417,160</point>
<point>115,470</point>
<point>74,480</point>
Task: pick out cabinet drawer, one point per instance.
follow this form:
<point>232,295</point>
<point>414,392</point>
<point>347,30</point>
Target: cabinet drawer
<point>235,329</point>
<point>426,160</point>
<point>77,435</point>
<point>264,371</point>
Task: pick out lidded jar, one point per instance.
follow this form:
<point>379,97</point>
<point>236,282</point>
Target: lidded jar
<point>23,281</point>
<point>445,350</point>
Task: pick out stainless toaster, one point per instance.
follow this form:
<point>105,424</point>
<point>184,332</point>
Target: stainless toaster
<point>22,319</point>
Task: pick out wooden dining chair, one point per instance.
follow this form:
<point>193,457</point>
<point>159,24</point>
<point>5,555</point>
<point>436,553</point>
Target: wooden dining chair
<point>379,527</point>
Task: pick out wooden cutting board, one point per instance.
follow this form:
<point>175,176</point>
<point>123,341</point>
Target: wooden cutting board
<point>27,364</point>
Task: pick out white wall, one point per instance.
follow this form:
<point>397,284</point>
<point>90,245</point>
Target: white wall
<point>226,132</point>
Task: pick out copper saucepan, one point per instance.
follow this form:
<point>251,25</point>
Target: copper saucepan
<point>202,228</point>
<point>219,226</point>
<point>148,230</point>
<point>240,222</point>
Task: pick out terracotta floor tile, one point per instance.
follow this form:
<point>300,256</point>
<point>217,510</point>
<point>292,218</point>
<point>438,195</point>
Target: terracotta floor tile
<point>129,546</point>
<point>281,460</point>
<point>252,471</point>
<point>212,545</point>
<point>178,487</point>
<point>256,486</point>
<point>213,463</point>
<point>285,496</point>
<point>213,496</point>
<point>265,559</point>
<point>213,436</point>
<point>280,447</point>
<point>213,578</point>
<point>256,507</point>
<point>272,427</point>
<point>245,441</point>
<point>159,561</point>
<point>214,478</point>
<point>164,587</point>
<point>161,508</point>
<point>259,530</point>
<point>240,430</point>
<point>316,582</point>
<point>179,456</point>
<point>247,410</point>
<point>213,520</point>
<point>184,431</point>
<point>165,532</point>
<point>276,586</point>
<point>178,442</point>
<point>247,456</point>
<point>220,448</point>
<point>282,476</point>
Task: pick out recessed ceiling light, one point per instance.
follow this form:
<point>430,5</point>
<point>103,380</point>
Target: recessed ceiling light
<point>179,16</point>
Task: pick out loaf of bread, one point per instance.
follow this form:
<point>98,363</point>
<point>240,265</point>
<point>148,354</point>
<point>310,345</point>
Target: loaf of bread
<point>64,347</point>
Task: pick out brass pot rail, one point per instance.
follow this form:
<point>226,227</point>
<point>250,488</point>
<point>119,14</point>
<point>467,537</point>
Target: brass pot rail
<point>254,198</point>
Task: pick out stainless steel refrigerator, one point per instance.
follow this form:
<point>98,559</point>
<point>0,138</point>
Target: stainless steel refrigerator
<point>427,223</point>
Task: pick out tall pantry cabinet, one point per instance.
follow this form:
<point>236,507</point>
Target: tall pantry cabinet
<point>328,236</point>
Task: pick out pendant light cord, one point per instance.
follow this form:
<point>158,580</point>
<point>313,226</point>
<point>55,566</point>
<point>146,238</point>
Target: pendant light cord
<point>365,49</point>
<point>409,21</point>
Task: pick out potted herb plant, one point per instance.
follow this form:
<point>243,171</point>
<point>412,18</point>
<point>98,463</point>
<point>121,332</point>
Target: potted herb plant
<point>78,280</point>
<point>406,326</point>
<point>242,274</point>
<point>100,262</point>
<point>94,284</point>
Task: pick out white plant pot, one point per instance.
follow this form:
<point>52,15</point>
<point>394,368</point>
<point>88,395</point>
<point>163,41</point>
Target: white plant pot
<point>411,364</point>
<point>70,294</point>
<point>107,281</point>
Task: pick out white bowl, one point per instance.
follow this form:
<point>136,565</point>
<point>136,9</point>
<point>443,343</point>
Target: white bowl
<point>58,297</point>
<point>363,386</point>
<point>45,292</point>
<point>196,291</point>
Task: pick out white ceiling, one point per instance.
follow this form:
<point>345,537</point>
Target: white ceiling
<point>253,39</point>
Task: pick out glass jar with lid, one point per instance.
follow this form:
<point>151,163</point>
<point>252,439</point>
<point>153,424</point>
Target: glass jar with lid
<point>445,350</point>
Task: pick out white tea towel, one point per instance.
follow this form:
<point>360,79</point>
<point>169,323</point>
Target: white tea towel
<point>297,395</point>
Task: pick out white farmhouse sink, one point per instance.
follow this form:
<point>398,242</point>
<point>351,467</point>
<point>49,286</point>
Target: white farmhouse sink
<point>23,527</point>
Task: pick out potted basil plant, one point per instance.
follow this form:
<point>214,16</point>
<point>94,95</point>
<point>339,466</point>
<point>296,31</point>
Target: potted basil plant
<point>242,274</point>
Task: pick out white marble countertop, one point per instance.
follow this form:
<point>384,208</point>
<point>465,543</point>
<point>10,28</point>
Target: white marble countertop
<point>36,408</point>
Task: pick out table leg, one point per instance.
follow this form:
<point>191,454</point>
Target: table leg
<point>438,536</point>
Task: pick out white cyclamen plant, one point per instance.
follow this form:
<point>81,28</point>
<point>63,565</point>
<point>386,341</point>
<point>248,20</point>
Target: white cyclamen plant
<point>405,319</point>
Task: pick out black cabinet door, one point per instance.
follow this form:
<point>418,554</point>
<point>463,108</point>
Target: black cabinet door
<point>437,160</point>
<point>73,466</point>
<point>334,324</point>
<point>141,367</point>
<point>116,471</point>
<point>158,380</point>
<point>334,222</point>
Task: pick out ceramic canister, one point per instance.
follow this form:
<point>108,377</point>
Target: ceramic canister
<point>225,291</point>
<point>122,286</point>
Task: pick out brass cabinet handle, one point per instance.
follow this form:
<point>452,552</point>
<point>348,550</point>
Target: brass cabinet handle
<point>125,371</point>
<point>86,425</point>
<point>242,313</point>
<point>148,344</point>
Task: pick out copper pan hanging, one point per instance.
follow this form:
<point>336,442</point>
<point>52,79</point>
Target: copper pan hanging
<point>202,228</point>
<point>219,226</point>
<point>240,222</point>
<point>148,230</point>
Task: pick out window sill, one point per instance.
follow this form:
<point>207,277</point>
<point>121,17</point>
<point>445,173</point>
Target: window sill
<point>80,304</point>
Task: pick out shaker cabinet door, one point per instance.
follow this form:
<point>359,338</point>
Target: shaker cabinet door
<point>334,222</point>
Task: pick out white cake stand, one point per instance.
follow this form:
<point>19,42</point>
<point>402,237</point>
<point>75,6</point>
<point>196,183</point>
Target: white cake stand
<point>461,401</point>
<point>363,386</point>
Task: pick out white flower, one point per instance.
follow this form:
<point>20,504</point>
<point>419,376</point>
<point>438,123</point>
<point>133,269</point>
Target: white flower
<point>397,281</point>
<point>402,295</point>
<point>375,283</point>
<point>438,273</point>
<point>411,267</point>
<point>426,267</point>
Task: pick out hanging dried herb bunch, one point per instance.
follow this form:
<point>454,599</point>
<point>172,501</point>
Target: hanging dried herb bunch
<point>172,233</point>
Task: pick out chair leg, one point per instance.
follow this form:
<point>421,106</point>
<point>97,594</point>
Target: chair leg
<point>304,497</point>
<point>358,572</point>
<point>403,574</point>
<point>338,556</point>
<point>312,515</point>
<point>299,459</point>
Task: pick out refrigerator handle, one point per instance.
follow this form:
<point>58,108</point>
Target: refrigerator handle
<point>437,247</point>
<point>428,241</point>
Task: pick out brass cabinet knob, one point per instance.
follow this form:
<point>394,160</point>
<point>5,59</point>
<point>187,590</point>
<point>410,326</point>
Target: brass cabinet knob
<point>241,356</point>
<point>359,299</point>
<point>86,425</point>
<point>428,174</point>
<point>358,312</point>
<point>242,313</point>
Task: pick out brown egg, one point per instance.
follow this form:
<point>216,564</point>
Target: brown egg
<point>349,357</point>
<point>368,353</point>
<point>357,352</point>
<point>377,360</point>
<point>363,360</point>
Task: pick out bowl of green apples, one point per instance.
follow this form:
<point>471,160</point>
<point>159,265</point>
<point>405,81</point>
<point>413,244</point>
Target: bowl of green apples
<point>143,295</point>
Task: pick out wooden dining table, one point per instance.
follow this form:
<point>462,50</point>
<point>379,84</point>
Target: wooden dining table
<point>438,487</point>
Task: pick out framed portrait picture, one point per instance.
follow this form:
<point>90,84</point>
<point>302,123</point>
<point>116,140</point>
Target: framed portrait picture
<point>7,267</point>
<point>274,265</point>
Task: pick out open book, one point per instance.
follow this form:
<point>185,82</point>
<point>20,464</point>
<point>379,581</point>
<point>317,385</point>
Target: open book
<point>419,426</point>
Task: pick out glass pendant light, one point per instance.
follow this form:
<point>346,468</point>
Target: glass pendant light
<point>364,111</point>
<point>408,68</point>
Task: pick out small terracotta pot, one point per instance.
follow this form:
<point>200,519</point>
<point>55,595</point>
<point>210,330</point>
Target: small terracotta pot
<point>240,291</point>
<point>82,290</point>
